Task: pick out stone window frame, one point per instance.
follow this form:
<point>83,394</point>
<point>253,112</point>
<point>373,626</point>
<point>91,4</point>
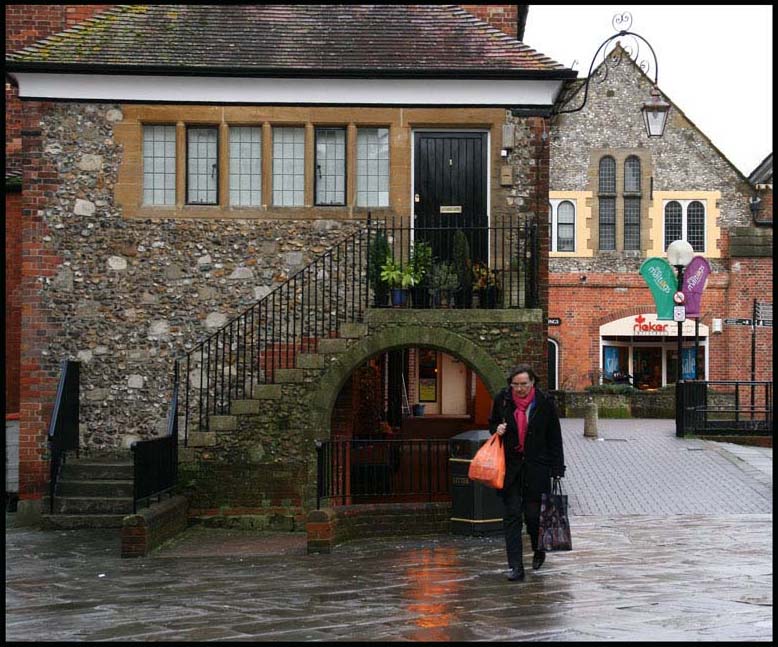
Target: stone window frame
<point>684,204</point>
<point>553,223</point>
<point>620,155</point>
<point>400,122</point>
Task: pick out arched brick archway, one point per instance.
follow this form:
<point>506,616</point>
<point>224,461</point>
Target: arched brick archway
<point>326,392</point>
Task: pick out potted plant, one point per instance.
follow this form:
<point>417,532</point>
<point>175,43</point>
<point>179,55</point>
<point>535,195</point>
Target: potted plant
<point>377,252</point>
<point>463,266</point>
<point>444,281</point>
<point>398,278</point>
<point>421,264</point>
<point>485,285</point>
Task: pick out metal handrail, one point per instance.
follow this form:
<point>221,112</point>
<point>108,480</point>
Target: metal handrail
<point>155,461</point>
<point>63,426</point>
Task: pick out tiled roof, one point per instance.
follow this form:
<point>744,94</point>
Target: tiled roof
<point>288,39</point>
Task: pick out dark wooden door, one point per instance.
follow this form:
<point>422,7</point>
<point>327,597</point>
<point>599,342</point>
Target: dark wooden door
<point>450,190</point>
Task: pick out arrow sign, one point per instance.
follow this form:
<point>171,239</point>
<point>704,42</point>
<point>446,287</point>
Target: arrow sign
<point>738,322</point>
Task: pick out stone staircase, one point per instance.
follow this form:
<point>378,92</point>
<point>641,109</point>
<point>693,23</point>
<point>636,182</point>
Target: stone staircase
<point>93,491</point>
<point>307,365</point>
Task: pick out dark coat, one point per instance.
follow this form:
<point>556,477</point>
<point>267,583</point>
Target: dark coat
<point>543,454</point>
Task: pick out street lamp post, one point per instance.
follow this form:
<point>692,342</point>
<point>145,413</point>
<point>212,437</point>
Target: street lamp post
<point>679,255</point>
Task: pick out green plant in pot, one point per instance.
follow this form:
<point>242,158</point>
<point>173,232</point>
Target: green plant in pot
<point>378,251</point>
<point>486,285</point>
<point>463,266</point>
<point>444,282</point>
<point>421,265</point>
<point>398,278</point>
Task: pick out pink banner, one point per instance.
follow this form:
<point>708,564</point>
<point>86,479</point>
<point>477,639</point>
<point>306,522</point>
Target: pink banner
<point>694,279</point>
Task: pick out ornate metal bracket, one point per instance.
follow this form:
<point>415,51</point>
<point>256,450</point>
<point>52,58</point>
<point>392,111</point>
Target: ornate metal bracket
<point>612,56</point>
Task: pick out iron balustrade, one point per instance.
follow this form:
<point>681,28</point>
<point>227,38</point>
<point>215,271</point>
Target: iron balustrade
<point>155,461</point>
<point>362,471</point>
<point>744,407</point>
<point>336,288</point>
<point>63,426</point>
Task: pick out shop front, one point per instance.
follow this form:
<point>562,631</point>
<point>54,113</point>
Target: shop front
<point>642,351</point>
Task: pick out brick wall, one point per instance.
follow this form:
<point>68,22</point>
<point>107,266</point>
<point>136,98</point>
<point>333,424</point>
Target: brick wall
<point>39,371</point>
<point>151,527</point>
<point>502,16</point>
<point>13,304</point>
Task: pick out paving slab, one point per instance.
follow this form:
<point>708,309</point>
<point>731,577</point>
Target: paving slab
<point>672,540</point>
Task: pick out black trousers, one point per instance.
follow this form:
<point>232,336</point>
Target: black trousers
<point>518,506</point>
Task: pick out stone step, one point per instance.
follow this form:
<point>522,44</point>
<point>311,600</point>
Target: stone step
<point>246,407</point>
<point>310,360</point>
<point>76,521</point>
<point>267,392</point>
<point>92,505</point>
<point>289,376</point>
<point>333,345</point>
<point>81,470</point>
<point>95,488</point>
<point>353,330</point>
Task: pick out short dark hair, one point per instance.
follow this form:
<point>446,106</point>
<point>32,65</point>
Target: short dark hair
<point>523,368</point>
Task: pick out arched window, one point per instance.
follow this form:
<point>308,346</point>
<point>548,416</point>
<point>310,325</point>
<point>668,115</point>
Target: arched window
<point>632,203</point>
<point>695,226</point>
<point>553,365</point>
<point>607,201</point>
<point>561,223</point>
<point>685,220</point>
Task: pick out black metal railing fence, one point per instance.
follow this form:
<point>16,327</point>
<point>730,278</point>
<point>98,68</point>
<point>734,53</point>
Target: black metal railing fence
<point>725,407</point>
<point>358,471</point>
<point>155,461</point>
<point>63,427</point>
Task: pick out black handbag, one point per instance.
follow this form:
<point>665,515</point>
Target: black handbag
<point>554,530</point>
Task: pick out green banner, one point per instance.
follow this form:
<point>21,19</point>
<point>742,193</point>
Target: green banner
<point>662,282</point>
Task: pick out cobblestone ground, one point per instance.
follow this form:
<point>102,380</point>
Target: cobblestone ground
<point>672,541</point>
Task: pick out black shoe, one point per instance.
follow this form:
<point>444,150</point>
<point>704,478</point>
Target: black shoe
<point>516,575</point>
<point>538,558</point>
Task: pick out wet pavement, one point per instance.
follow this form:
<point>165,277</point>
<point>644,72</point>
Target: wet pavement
<point>672,541</point>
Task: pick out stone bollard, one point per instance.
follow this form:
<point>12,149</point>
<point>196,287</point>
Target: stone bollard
<point>590,420</point>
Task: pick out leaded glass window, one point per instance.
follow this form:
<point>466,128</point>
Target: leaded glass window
<point>565,227</point>
<point>632,175</point>
<point>330,166</point>
<point>607,175</point>
<point>373,167</point>
<point>673,222</point>
<point>202,165</point>
<point>159,165</point>
<point>288,167</point>
<point>695,226</point>
<point>607,224</point>
<point>631,223</point>
<point>245,166</point>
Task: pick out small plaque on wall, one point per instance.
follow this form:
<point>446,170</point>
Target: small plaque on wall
<point>506,175</point>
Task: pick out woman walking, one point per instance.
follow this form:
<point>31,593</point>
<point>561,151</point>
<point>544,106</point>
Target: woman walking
<point>526,419</point>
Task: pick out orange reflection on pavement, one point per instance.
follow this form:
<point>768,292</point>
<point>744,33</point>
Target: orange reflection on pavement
<point>431,588</point>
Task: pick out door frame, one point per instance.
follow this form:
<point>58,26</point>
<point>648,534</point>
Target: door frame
<point>488,132</point>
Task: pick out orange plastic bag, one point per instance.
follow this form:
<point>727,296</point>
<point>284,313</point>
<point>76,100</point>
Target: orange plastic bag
<point>488,464</point>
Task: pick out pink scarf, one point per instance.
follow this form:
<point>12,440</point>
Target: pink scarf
<point>522,404</point>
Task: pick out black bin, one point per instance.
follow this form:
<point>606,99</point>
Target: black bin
<point>475,508</point>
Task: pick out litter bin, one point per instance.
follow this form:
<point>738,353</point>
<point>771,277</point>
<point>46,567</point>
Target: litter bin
<point>475,508</point>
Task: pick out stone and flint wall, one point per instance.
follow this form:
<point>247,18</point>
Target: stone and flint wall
<point>125,295</point>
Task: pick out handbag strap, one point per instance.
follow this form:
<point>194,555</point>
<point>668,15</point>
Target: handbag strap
<point>556,487</point>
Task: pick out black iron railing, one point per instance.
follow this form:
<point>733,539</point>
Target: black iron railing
<point>336,288</point>
<point>361,471</point>
<point>723,407</point>
<point>63,427</point>
<point>155,460</point>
